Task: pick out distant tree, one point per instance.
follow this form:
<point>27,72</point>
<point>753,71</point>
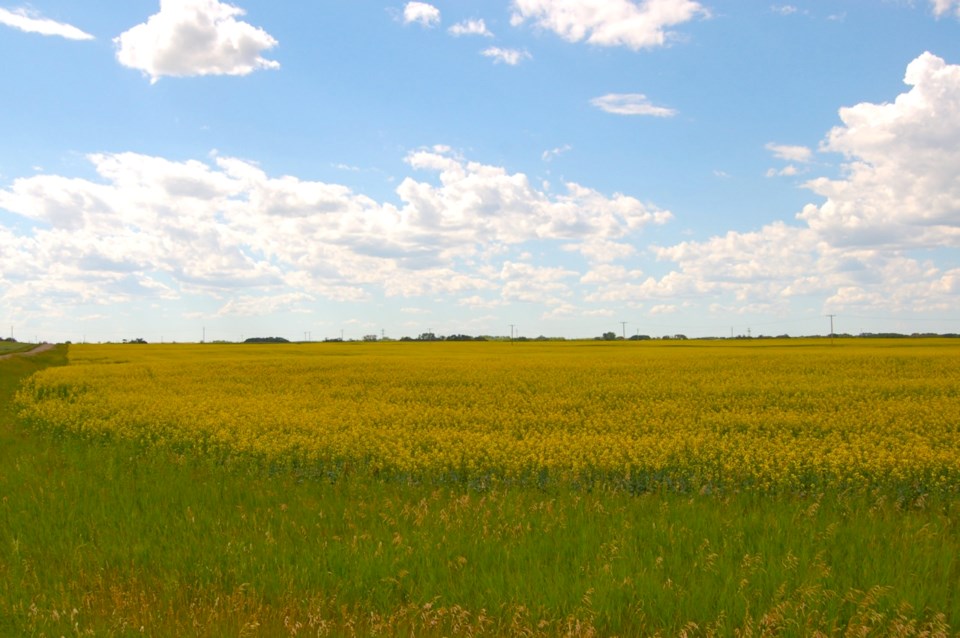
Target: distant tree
<point>266,340</point>
<point>609,336</point>
<point>427,336</point>
<point>639,337</point>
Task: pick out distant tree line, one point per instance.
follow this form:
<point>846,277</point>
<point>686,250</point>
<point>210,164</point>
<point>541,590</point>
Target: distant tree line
<point>913,335</point>
<point>429,336</point>
<point>613,336</point>
<point>606,336</point>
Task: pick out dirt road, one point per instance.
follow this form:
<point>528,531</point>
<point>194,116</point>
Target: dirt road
<point>43,347</point>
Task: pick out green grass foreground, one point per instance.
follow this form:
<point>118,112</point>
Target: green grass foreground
<point>116,540</point>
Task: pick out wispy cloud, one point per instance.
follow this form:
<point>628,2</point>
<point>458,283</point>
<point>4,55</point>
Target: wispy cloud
<point>787,171</point>
<point>512,57</point>
<point>31,22</point>
<point>630,104</point>
<point>941,7</point>
<point>784,9</point>
<point>471,27</point>
<point>789,153</point>
<point>555,152</point>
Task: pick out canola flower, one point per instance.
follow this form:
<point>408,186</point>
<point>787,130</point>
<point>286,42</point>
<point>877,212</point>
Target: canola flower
<point>693,416</point>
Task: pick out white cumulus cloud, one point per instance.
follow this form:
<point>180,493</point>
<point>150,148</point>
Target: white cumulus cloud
<point>633,24</point>
<point>903,158</point>
<point>421,13</point>
<point>31,22</point>
<point>195,37</point>
<point>899,193</point>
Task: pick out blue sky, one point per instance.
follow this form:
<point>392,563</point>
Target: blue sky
<point>192,168</point>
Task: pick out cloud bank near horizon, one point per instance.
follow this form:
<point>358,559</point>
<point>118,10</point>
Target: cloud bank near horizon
<point>479,235</point>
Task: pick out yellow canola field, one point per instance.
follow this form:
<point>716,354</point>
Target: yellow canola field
<point>764,415</point>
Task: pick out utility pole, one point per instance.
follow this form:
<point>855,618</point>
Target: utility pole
<point>511,332</point>
<point>831,327</point>
<point>623,329</point>
<point>204,338</point>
